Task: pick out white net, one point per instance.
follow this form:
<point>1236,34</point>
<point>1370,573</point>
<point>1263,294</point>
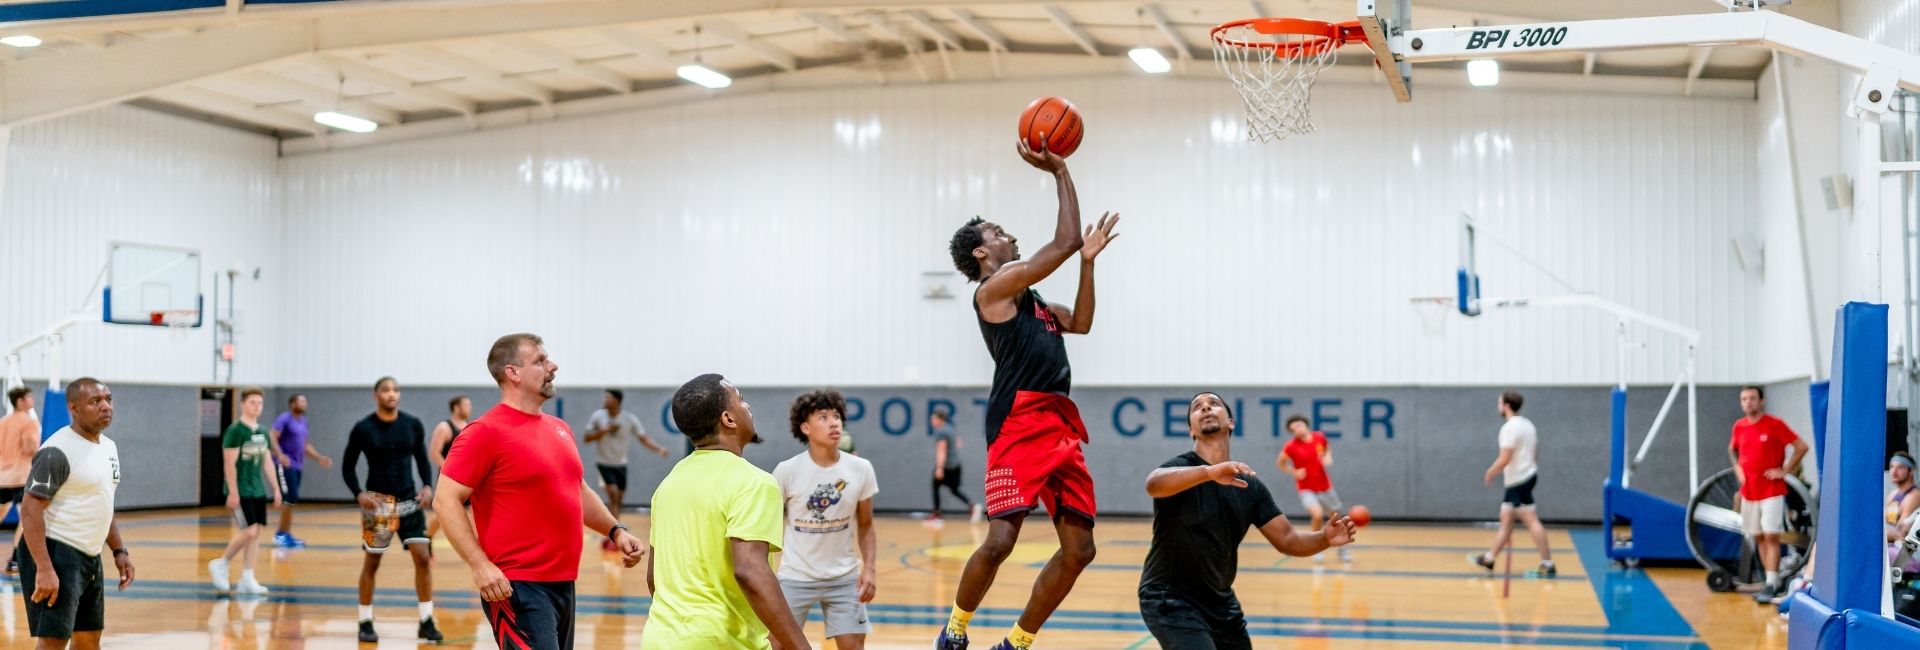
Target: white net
<point>1274,74</point>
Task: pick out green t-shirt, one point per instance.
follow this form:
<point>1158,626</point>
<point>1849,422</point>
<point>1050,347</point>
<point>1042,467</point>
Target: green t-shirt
<point>709,497</point>
<point>252,444</point>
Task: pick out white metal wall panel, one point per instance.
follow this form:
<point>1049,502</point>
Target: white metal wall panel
<point>780,238</point>
<point>126,174</point>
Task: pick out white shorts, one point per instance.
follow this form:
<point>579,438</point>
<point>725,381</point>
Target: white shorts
<point>1326,501</point>
<point>1766,516</point>
<point>839,602</point>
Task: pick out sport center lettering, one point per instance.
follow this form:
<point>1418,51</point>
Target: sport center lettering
<point>1134,416</point>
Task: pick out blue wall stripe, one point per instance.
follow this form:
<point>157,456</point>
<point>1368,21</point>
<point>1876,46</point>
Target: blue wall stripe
<point>89,8</point>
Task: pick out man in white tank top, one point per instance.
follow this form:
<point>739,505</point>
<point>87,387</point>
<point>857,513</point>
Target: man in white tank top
<point>1520,473</point>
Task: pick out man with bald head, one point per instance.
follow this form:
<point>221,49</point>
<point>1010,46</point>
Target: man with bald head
<point>67,520</point>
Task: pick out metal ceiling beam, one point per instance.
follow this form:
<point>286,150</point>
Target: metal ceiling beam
<point>980,28</point>
<point>1160,22</point>
<point>832,26</point>
<point>771,53</point>
<point>1073,29</point>
<point>223,104</point>
<point>479,73</point>
<point>647,48</point>
<point>1697,65</point>
<point>400,85</point>
<point>940,32</point>
<point>559,59</point>
<point>316,97</point>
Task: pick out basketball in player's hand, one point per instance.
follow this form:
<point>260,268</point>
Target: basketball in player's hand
<point>1052,123</point>
<point>1360,515</point>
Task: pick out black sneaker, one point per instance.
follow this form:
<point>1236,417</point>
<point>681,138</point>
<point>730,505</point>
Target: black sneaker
<point>13,567</point>
<point>429,632</point>
<point>1544,571</point>
<point>1481,560</point>
<point>1766,594</point>
<point>366,633</point>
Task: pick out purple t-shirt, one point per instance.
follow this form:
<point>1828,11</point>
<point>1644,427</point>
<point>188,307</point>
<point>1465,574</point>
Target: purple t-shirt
<point>293,438</point>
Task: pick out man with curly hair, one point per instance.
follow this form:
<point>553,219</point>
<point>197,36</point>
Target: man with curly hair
<point>1033,430</point>
<point>827,494</point>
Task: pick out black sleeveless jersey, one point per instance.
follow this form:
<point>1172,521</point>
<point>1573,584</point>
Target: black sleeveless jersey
<point>1028,354</point>
<point>448,448</point>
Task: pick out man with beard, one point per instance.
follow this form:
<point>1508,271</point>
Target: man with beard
<point>391,503</point>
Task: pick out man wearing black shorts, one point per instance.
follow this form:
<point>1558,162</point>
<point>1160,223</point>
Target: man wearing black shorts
<point>1203,503</point>
<point>391,504</point>
<point>67,520</point>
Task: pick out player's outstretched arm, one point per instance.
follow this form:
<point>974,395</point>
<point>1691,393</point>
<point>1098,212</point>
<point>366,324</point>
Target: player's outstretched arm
<point>1008,281</point>
<point>1290,541</point>
<point>1169,481</point>
<point>1079,320</point>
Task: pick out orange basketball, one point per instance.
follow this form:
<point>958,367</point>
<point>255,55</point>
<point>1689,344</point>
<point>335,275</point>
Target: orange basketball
<point>1057,119</point>
<point>1360,515</point>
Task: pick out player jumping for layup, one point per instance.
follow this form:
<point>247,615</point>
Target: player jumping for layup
<point>1033,431</point>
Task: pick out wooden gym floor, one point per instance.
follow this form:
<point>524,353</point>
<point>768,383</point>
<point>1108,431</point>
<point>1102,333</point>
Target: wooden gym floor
<point>1408,587</point>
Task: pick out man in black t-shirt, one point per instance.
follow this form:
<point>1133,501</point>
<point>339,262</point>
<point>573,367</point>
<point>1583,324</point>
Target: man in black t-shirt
<point>394,443</point>
<point>1203,504</point>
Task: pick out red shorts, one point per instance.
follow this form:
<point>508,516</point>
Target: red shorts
<point>1036,460</point>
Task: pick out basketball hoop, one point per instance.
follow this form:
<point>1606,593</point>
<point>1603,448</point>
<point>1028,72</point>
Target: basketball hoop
<point>1433,315</point>
<point>1273,62</point>
<point>177,321</point>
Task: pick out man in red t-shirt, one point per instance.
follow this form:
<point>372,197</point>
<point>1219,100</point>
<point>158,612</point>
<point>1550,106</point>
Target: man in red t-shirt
<point>1759,445</point>
<point>520,470</point>
<point>1307,457</point>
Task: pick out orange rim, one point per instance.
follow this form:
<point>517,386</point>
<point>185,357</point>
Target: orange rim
<point>1319,36</point>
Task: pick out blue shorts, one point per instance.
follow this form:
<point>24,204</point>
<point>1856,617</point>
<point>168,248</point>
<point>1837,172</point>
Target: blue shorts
<point>289,485</point>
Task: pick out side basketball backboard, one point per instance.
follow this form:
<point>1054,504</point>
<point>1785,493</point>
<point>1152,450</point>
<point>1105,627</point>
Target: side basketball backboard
<point>1467,276</point>
<point>152,285</point>
<point>1382,20</point>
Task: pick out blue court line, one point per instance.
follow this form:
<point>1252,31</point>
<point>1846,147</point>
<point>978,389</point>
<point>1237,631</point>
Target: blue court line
<point>1123,622</point>
<point>1632,602</point>
<point>1277,626</point>
<point>1451,575</point>
<point>264,545</point>
<point>1357,546</point>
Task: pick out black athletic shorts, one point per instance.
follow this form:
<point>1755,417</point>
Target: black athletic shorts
<point>614,475</point>
<point>1521,495</point>
<point>81,604</point>
<point>538,616</point>
<point>252,512</point>
<point>12,494</point>
<point>1180,623</point>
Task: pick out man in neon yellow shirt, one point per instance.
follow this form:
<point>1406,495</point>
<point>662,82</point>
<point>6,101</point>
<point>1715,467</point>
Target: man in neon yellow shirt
<point>715,519</point>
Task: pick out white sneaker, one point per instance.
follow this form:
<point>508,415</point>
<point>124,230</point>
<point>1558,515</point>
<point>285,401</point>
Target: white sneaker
<point>978,514</point>
<point>1319,557</point>
<point>1346,555</point>
<point>218,567</point>
<point>251,587</point>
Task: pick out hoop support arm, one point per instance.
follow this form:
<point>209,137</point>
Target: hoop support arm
<point>1881,67</point>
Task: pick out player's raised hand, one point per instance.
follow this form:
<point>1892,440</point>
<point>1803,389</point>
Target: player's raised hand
<point>1229,473</point>
<point>1042,159</point>
<point>1098,236</point>
<point>1339,530</point>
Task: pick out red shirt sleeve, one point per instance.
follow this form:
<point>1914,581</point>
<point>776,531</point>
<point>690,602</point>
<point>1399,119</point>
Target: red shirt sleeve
<point>1786,434</point>
<point>471,457</point>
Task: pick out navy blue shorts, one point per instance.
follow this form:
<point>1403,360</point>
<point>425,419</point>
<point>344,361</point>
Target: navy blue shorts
<point>289,485</point>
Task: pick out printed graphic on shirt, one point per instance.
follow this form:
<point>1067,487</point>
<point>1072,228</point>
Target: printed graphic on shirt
<point>825,496</point>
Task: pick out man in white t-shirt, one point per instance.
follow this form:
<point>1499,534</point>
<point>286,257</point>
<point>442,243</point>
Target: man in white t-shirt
<point>610,429</point>
<point>67,520</point>
<point>829,510</point>
<point>1518,444</point>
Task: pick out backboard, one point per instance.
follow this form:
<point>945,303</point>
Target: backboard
<point>1382,20</point>
<point>144,280</point>
<point>1467,276</point>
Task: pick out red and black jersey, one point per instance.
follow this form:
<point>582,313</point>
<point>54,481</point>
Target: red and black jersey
<point>1028,355</point>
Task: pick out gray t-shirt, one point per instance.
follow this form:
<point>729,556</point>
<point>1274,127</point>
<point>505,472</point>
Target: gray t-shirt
<point>953,446</point>
<point>612,448</point>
